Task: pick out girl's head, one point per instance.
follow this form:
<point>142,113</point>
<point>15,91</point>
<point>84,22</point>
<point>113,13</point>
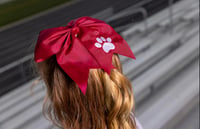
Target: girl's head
<point>106,101</point>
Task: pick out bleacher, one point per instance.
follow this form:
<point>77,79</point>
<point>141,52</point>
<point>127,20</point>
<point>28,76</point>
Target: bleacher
<point>165,74</point>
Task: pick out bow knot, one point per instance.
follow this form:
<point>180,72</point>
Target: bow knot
<point>76,31</point>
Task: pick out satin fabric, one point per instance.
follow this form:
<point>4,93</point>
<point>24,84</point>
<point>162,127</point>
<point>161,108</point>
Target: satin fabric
<point>75,50</point>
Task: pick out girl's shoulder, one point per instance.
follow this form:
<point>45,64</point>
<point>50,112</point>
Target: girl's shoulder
<point>138,125</point>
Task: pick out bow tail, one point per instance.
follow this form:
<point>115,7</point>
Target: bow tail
<point>124,49</point>
<point>76,61</point>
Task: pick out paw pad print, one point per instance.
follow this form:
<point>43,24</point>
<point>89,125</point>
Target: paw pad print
<point>105,43</point>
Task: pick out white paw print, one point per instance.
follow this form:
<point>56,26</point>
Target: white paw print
<point>106,43</point>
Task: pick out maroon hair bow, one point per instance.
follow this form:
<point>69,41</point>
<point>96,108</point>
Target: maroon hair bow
<point>83,44</point>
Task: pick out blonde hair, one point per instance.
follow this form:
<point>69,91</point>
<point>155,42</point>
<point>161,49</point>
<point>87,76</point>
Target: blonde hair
<point>107,104</point>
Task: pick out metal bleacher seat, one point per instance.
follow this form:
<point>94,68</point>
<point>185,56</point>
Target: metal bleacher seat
<point>191,121</point>
<point>21,105</point>
<point>164,77</point>
<point>186,14</point>
<point>154,20</point>
<point>154,53</point>
<point>191,15</point>
<point>30,101</point>
<point>158,73</point>
<point>171,102</point>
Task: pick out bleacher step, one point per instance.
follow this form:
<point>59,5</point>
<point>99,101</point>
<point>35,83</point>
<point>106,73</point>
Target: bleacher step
<point>38,123</point>
<point>191,15</point>
<point>165,68</point>
<point>157,18</point>
<point>17,108</point>
<point>23,95</point>
<point>174,98</point>
<point>26,116</point>
<point>191,120</point>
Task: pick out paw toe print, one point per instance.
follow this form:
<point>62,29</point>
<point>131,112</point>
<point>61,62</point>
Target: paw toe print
<point>105,44</point>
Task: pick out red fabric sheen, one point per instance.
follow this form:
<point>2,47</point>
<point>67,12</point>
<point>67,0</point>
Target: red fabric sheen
<point>76,49</point>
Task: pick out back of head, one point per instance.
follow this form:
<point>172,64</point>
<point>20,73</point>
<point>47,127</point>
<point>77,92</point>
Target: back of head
<point>82,71</point>
<point>107,103</point>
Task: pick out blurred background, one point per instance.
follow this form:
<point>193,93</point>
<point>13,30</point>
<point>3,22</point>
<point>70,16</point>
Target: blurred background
<point>163,34</point>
